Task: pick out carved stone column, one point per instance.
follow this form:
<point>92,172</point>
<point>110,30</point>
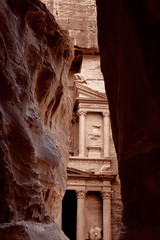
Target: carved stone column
<point>106,215</point>
<point>81,132</point>
<point>106,126</point>
<point>81,215</point>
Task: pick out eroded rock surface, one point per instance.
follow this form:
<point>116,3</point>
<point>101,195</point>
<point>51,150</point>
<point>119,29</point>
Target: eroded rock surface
<point>129,37</point>
<point>35,55</point>
<point>78,18</point>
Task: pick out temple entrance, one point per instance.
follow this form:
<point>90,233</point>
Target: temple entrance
<point>69,214</point>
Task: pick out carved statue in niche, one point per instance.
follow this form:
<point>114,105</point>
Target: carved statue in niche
<point>95,133</point>
<point>95,233</point>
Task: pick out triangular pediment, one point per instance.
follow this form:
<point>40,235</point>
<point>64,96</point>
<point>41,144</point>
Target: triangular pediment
<point>84,92</point>
<point>73,172</point>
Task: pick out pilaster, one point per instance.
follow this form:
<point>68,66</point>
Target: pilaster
<point>106,215</point>
<point>82,115</point>
<point>81,215</point>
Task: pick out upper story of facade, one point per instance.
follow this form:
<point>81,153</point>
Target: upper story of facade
<point>91,144</point>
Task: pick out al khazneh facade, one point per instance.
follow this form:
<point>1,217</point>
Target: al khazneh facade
<point>93,182</point>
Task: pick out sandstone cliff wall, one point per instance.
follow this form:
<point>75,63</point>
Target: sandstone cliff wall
<point>78,18</point>
<point>35,55</point>
<point>129,37</point>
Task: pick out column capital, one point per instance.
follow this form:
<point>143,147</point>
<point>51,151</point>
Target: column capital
<point>81,113</point>
<point>105,114</point>
<point>81,194</point>
<point>106,195</point>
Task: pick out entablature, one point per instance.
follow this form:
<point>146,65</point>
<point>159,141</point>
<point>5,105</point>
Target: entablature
<point>92,165</point>
<point>89,182</point>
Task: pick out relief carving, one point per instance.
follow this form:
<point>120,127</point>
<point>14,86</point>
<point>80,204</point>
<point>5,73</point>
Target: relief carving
<point>95,233</point>
<point>81,194</point>
<point>106,195</point>
<point>78,77</point>
<point>95,133</point>
<point>81,113</point>
<point>105,168</point>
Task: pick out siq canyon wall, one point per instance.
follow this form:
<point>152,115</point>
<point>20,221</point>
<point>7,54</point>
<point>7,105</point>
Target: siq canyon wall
<point>35,55</point>
<point>129,36</point>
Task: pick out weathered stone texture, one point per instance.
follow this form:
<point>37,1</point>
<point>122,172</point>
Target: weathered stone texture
<point>116,208</point>
<point>129,37</point>
<point>35,56</point>
<point>77,17</point>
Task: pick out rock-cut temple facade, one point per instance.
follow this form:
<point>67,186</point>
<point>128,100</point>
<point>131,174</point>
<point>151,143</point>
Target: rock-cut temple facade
<point>91,207</point>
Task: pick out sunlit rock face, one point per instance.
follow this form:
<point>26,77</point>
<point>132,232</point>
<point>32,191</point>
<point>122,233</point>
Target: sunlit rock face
<point>35,110</point>
<point>129,37</point>
<point>78,18</point>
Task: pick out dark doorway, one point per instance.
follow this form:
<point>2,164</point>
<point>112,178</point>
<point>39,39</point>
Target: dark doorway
<point>69,214</point>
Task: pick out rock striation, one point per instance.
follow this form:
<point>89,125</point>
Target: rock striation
<point>35,110</point>
<point>129,37</point>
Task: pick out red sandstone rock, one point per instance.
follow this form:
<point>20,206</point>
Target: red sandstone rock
<point>129,37</point>
<point>35,55</point>
<point>78,18</point>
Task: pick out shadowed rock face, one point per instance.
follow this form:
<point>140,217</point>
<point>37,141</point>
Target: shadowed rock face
<point>35,110</point>
<point>129,37</point>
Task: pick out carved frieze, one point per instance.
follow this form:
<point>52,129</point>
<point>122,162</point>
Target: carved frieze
<point>99,166</point>
<point>97,107</point>
<point>104,169</point>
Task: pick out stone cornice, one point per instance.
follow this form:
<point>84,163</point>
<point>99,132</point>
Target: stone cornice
<point>90,100</point>
<point>86,89</point>
<point>77,158</point>
<point>86,175</point>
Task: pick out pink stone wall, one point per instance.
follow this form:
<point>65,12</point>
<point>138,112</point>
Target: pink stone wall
<point>79,18</point>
